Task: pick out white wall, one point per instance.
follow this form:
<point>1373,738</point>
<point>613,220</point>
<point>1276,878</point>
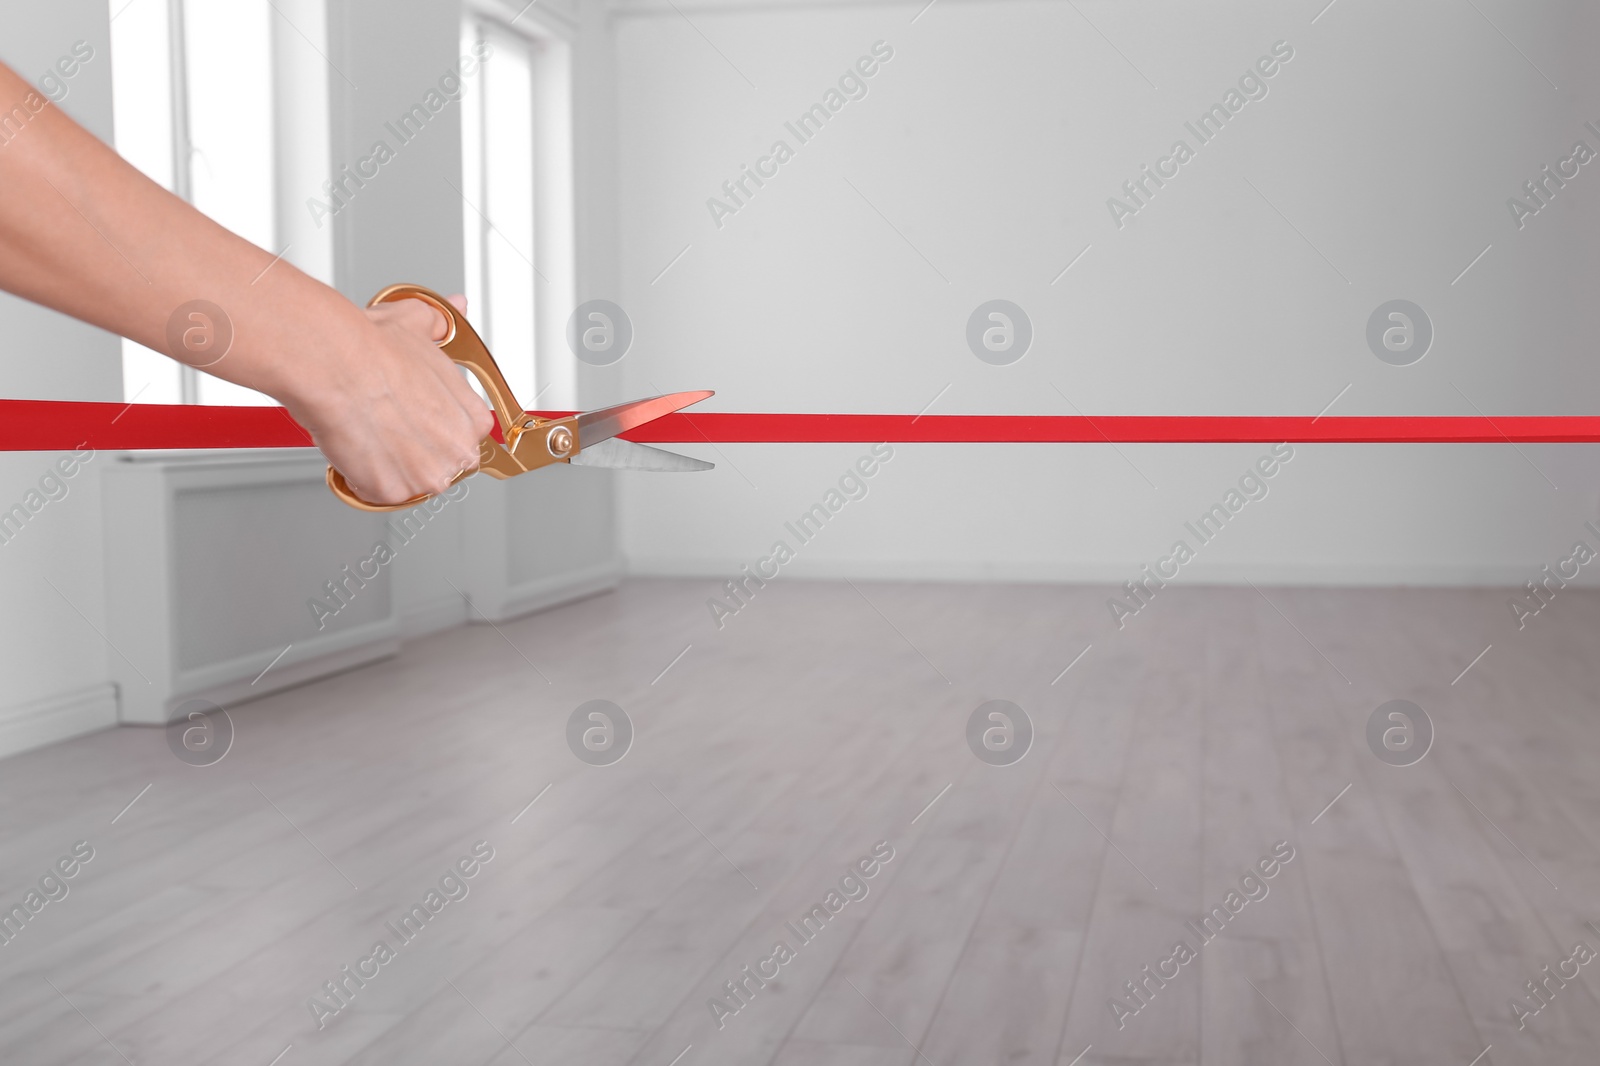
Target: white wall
<point>52,662</point>
<point>992,141</point>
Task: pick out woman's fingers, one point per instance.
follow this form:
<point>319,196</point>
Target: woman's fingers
<point>407,424</point>
<point>454,378</point>
<point>413,315</point>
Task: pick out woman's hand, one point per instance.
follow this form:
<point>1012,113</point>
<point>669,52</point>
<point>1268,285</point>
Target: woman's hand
<point>390,410</point>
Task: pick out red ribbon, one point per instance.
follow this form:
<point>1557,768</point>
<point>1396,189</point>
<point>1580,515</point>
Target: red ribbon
<point>50,425</point>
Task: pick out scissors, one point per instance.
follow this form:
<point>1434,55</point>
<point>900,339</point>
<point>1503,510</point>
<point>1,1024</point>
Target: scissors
<point>587,439</point>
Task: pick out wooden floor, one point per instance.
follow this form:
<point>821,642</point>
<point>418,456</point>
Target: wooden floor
<point>824,718</point>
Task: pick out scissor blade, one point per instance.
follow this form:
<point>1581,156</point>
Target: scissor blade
<point>596,426</point>
<point>626,455</point>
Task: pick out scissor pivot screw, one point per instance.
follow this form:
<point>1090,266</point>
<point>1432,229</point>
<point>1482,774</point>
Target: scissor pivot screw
<point>559,441</point>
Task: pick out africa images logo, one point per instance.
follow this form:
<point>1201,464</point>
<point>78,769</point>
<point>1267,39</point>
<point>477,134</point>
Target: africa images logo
<point>337,993</point>
<point>852,86</point>
<point>740,991</point>
<point>1252,85</point>
<point>1253,888</point>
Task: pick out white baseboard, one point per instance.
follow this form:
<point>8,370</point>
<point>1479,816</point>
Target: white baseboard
<point>290,673</point>
<point>25,726</point>
<point>433,617</point>
<point>532,596</point>
<point>645,8</point>
<point>1023,572</point>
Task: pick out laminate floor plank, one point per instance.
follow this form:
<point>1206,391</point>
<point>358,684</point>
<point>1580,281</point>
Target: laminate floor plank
<point>1501,921</point>
<point>1032,924</point>
<point>1266,959</point>
<point>1149,884</point>
<point>1394,994</point>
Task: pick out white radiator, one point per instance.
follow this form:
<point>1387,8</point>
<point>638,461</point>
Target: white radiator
<point>233,574</point>
<point>211,561</point>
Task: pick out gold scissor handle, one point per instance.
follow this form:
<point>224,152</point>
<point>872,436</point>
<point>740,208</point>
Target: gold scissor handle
<point>556,440</point>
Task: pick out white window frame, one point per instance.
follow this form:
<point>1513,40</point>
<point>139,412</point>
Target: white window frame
<point>549,45</point>
<point>301,141</point>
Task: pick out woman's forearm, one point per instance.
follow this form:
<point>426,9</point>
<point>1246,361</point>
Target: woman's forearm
<point>84,232</point>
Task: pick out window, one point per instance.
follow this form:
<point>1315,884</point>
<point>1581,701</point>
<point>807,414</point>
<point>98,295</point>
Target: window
<point>197,106</point>
<point>517,203</point>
